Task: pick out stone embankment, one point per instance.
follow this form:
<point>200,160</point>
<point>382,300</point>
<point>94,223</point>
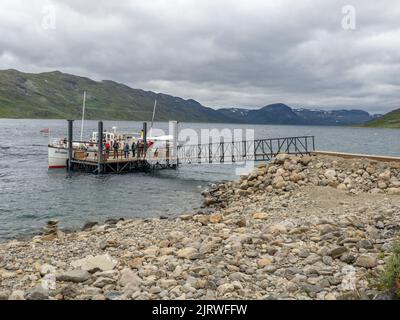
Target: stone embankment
<point>297,228</point>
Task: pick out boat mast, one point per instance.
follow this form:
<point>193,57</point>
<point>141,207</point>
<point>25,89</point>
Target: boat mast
<point>154,113</point>
<point>83,113</point>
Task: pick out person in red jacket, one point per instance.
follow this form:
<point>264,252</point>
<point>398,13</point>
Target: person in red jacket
<point>108,147</point>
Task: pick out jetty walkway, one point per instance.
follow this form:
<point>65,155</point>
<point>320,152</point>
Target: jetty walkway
<point>171,155</point>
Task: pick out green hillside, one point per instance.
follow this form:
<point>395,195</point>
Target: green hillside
<point>389,120</point>
<point>59,95</point>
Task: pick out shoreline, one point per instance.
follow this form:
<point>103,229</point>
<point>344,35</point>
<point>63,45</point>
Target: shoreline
<point>315,227</point>
<point>228,123</point>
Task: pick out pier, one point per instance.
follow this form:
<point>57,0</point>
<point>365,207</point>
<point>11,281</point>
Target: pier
<point>172,155</point>
<point>241,151</point>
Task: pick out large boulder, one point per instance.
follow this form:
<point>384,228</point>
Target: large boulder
<point>95,263</point>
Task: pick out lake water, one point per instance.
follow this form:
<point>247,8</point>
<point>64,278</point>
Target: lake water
<point>30,194</point>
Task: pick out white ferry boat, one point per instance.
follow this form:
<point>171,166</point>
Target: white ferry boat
<point>58,148</point>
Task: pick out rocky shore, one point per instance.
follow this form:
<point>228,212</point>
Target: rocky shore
<point>298,228</point>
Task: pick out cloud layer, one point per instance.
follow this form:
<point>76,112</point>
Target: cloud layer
<point>219,52</point>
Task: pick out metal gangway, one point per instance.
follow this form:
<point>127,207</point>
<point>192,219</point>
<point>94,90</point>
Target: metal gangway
<point>241,151</point>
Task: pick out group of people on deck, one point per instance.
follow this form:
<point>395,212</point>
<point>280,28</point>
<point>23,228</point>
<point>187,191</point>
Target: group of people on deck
<point>123,148</point>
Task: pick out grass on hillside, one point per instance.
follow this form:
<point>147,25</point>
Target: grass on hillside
<point>390,120</point>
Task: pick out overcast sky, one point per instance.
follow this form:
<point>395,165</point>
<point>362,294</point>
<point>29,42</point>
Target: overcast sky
<point>246,53</point>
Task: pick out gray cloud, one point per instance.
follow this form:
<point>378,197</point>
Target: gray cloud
<point>221,52</point>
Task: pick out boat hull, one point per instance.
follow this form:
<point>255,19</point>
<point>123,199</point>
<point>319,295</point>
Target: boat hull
<point>58,157</point>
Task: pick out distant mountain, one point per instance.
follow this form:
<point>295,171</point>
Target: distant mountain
<point>59,95</point>
<point>283,114</point>
<point>334,117</point>
<point>272,114</point>
<point>389,120</point>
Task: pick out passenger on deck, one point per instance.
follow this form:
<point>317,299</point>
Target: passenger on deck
<point>126,150</point>
<point>141,148</point>
<point>108,147</point>
<point>138,148</point>
<point>133,149</point>
<point>116,147</point>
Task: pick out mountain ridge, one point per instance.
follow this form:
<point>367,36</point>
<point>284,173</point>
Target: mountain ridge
<point>55,94</point>
<point>280,113</point>
<point>389,120</point>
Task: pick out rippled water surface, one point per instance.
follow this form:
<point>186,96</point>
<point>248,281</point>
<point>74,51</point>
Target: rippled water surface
<point>30,194</point>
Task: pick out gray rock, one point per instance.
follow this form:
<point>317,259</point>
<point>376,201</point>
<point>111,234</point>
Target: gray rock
<point>38,293</point>
<point>311,288</point>
<point>304,253</point>
<point>327,260</point>
<point>113,221</point>
<point>349,296</point>
<point>69,292</point>
<point>128,277</point>
<point>338,252</point>
<point>334,281</point>
<point>4,295</point>
<point>380,225</point>
<point>366,261</point>
<point>365,244</point>
<point>102,282</point>
<point>327,229</point>
<point>92,264</point>
<point>289,273</point>
<point>92,291</point>
<point>47,269</point>
<point>114,295</point>
<point>188,253</point>
<point>103,244</point>
<point>348,258</point>
<point>330,174</point>
<point>89,225</point>
<point>73,276</point>
<point>385,296</point>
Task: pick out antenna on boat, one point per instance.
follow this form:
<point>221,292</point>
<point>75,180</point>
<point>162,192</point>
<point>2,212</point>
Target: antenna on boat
<point>154,113</point>
<point>83,113</point>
